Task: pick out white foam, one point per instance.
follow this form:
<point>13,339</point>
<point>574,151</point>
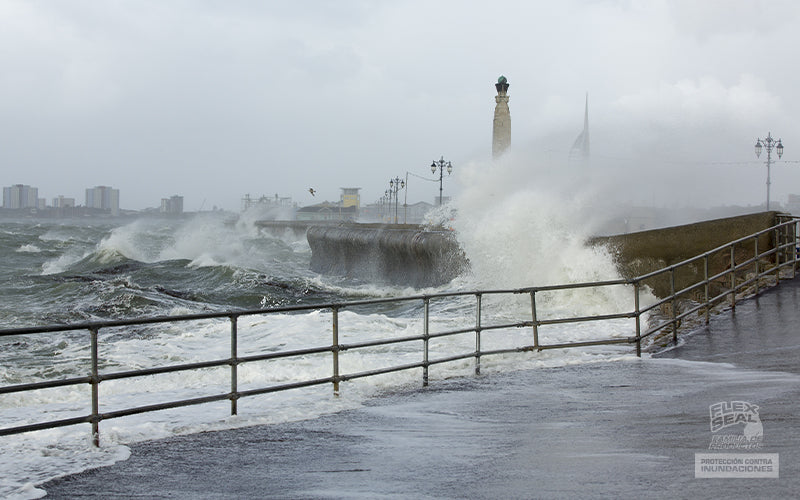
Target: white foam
<point>29,248</point>
<point>63,262</point>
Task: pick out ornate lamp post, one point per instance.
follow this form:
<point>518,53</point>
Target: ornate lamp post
<point>387,195</point>
<point>769,143</point>
<point>441,165</point>
<point>395,185</point>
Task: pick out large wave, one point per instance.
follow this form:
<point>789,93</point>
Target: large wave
<point>520,233</point>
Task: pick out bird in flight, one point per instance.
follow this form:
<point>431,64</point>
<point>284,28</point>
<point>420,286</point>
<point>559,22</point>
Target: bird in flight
<point>311,190</point>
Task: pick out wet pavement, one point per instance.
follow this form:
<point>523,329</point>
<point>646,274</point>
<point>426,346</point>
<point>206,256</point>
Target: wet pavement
<point>621,429</point>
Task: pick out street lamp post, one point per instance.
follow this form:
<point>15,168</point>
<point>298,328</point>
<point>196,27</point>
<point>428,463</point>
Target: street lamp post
<point>395,185</point>
<point>769,143</point>
<point>441,165</point>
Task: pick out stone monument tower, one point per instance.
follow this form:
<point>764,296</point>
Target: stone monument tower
<point>501,132</point>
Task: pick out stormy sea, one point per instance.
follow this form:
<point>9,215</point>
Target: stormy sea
<point>62,271</point>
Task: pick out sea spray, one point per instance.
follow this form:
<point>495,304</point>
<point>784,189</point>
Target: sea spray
<point>520,233</point>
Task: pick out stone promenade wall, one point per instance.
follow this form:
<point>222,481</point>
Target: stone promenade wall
<point>643,252</point>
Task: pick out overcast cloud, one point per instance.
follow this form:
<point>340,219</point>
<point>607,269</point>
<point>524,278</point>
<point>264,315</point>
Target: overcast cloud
<point>213,100</point>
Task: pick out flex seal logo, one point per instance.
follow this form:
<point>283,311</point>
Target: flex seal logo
<point>744,432</point>
<point>725,415</point>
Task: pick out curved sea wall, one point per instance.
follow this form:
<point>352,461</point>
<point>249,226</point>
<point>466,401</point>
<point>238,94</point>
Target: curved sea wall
<point>413,256</point>
<point>399,254</point>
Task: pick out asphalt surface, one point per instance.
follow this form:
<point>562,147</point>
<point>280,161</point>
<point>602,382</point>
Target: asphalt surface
<point>622,429</point>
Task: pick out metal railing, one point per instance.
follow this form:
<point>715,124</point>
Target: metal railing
<point>769,261</point>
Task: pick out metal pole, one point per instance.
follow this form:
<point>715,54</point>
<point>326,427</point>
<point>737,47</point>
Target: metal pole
<point>405,202</point>
<point>672,302</point>
<point>758,270</point>
<point>733,278</point>
<point>95,391</point>
<point>441,176</point>
<point>478,334</point>
<point>234,366</point>
<point>705,274</point>
<point>794,249</point>
<point>425,337</point>
<point>335,350</point>
<point>535,321</point>
<point>779,249</point>
<point>638,319</point>
<point>769,163</point>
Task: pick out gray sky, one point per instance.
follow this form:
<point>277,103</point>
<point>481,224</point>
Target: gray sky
<point>212,100</point>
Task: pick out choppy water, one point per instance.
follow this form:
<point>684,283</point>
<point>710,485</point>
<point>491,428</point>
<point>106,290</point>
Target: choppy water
<point>65,271</point>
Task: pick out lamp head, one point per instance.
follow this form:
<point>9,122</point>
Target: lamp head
<point>779,148</point>
<point>758,148</point>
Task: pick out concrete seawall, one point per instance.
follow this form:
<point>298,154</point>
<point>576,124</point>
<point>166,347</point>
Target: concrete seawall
<point>646,251</point>
<point>413,256</point>
<point>399,254</point>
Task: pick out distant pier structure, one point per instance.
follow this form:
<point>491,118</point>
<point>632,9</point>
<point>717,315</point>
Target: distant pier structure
<point>501,132</point>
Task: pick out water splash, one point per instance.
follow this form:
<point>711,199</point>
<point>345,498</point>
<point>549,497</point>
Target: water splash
<point>519,233</point>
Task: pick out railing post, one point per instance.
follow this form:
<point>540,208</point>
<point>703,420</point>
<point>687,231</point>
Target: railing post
<point>335,350</point>
<point>95,390</point>
<point>478,334</point>
<point>757,257</point>
<point>672,304</point>
<point>234,366</point>
<point>535,320</point>
<point>777,243</point>
<point>705,274</point>
<point>638,319</point>
<point>733,278</point>
<point>779,249</point>
<point>425,336</point>
<point>794,249</point>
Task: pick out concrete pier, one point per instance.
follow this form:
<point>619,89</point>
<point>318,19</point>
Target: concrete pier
<point>400,254</point>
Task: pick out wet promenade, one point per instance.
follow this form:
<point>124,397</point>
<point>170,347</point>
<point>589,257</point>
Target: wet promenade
<point>621,429</point>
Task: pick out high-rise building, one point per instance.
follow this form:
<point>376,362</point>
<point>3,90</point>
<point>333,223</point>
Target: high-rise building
<point>501,131</point>
<point>20,196</point>
<point>103,198</point>
<point>172,205</point>
<point>62,202</point>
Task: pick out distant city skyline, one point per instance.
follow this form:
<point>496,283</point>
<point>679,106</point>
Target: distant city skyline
<point>60,199</point>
